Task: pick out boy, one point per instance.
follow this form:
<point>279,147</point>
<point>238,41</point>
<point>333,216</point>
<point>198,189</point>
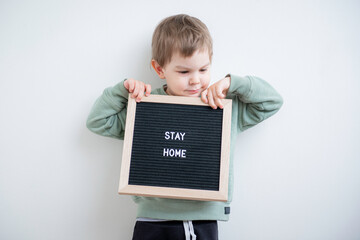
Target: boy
<point>181,54</point>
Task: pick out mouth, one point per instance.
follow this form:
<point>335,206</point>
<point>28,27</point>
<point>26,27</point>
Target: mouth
<point>193,91</point>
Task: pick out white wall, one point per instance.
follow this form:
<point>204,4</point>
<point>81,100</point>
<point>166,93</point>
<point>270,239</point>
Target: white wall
<point>297,174</point>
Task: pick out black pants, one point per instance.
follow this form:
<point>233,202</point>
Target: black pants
<point>174,230</point>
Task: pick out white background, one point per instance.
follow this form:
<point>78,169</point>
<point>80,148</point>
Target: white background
<point>297,173</point>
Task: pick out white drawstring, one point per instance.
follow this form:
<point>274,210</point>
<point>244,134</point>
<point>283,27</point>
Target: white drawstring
<point>189,230</point>
<point>192,232</point>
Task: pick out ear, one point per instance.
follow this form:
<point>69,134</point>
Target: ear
<point>158,69</point>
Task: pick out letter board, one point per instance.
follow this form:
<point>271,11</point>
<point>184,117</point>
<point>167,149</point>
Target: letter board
<point>176,147</point>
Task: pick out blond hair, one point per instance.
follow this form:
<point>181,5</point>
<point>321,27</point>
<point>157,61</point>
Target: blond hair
<point>181,33</point>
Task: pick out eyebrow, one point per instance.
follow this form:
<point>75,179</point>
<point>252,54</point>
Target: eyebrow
<point>182,67</point>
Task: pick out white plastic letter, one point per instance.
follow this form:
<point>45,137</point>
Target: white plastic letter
<point>177,152</point>
<point>183,152</point>
<point>172,135</point>
<point>182,136</point>
<point>166,152</point>
<point>177,136</point>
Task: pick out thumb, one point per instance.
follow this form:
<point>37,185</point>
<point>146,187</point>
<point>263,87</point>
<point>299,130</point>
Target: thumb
<point>203,96</point>
<point>126,84</point>
<point>220,91</point>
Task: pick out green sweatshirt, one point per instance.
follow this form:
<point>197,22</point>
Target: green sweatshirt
<point>254,100</point>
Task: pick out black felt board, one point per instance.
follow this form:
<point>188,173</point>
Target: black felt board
<point>202,142</point>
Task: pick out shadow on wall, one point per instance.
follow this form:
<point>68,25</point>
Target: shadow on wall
<point>108,213</point>
<point>112,214</point>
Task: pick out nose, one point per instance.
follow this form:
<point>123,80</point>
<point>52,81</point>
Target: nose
<point>194,79</point>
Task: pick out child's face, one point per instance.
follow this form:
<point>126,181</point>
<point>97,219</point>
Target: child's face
<point>187,76</point>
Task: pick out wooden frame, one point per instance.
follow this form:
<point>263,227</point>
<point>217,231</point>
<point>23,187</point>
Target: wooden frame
<point>176,193</point>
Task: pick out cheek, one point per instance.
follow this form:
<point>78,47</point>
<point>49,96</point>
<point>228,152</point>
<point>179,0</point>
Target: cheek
<point>206,85</point>
<point>206,80</point>
<point>177,84</point>
<point>181,82</point>
<point>182,85</point>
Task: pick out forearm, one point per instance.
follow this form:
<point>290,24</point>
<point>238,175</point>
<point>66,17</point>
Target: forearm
<point>258,100</point>
<point>107,116</point>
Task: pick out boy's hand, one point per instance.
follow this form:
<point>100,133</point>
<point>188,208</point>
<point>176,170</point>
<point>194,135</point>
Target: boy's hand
<point>216,92</point>
<point>137,88</point>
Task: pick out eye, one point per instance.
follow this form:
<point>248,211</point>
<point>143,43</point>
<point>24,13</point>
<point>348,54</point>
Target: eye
<point>203,70</point>
<point>183,72</point>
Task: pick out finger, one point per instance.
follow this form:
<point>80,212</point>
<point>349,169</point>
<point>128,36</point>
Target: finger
<point>219,92</point>
<point>216,98</point>
<point>211,100</point>
<point>131,85</point>
<point>126,84</point>
<point>218,102</point>
<point>141,93</point>
<point>147,89</point>
<point>136,89</point>
<point>203,96</point>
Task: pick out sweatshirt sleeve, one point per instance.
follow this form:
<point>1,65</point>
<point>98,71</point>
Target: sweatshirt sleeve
<point>255,100</point>
<point>108,115</point>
